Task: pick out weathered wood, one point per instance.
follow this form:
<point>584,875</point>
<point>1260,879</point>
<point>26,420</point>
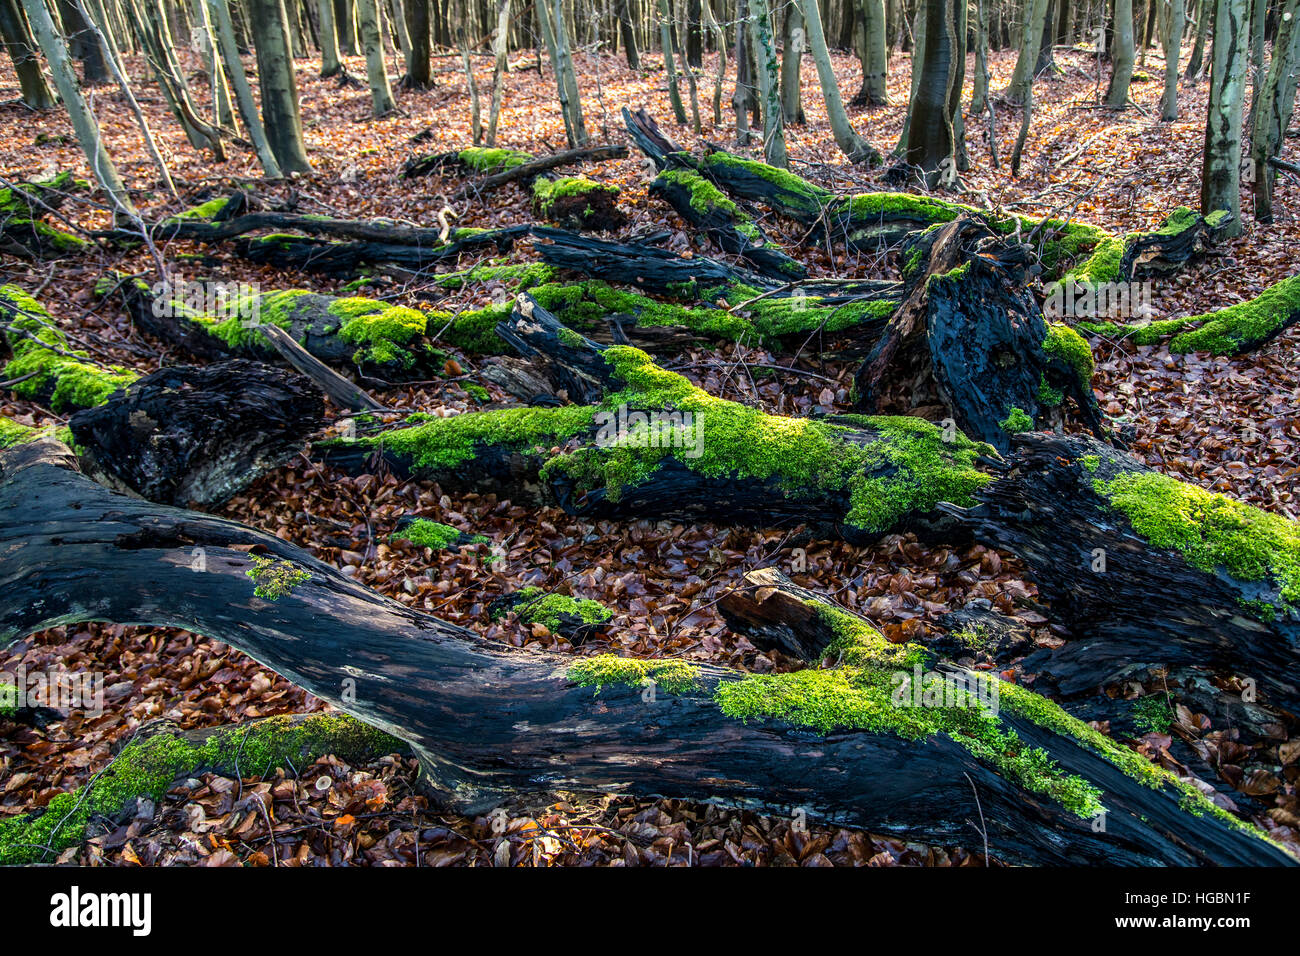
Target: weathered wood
<point>198,436</point>
<point>71,551</point>
<point>971,334</point>
<point>344,393</point>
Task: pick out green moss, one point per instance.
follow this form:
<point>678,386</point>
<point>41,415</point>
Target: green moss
<point>1225,332</point>
<point>1047,395</point>
<point>1105,263</point>
<point>148,768</point>
<point>1153,714</point>
<point>11,433</point>
<point>1209,530</point>
<point>275,579</point>
<point>796,194</point>
<point>1091,462</point>
<point>547,191</point>
<point>1018,421</point>
<point>381,329</point>
<point>8,699</point>
<point>704,196</point>
<point>673,676</point>
<point>485,160</point>
<point>271,308</point>
<point>71,382</point>
<point>427,534</point>
<point>205,211</point>
<point>551,609</point>
<point>477,392</point>
<point>523,275</point>
<point>1063,343</point>
<point>447,442</point>
<point>911,468</point>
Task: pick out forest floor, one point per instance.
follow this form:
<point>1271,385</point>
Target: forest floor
<point>1230,424</point>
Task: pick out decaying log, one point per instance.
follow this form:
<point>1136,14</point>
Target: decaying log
<point>700,203</point>
<point>576,202</point>
<point>1146,569</point>
<point>486,722</point>
<point>197,436</point>
<point>346,258</point>
<point>344,393</point>
<point>971,333</point>
<point>496,167</point>
<point>23,210</point>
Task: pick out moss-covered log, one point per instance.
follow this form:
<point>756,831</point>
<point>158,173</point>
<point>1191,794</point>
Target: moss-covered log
<point>43,365</point>
<point>23,210</point>
<point>576,620</point>
<point>771,308</point>
<point>701,204</point>
<point>971,336</point>
<point>496,166</point>
<point>142,772</point>
<point>71,551</point>
<point>576,202</point>
<point>1145,568</point>
<point>1234,330</point>
<point>1183,236</point>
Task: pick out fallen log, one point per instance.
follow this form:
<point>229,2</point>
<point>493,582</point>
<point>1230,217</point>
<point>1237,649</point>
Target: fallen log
<point>972,337</point>
<point>23,208</point>
<point>576,202</point>
<point>343,259</point>
<point>1234,330</point>
<point>700,203</point>
<point>71,551</point>
<point>1145,569</point>
<point>197,436</point>
<point>496,167</point>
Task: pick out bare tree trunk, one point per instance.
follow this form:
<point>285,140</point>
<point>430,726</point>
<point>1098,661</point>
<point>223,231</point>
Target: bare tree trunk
<point>370,23</point>
<point>330,64</point>
<point>1221,166</point>
<point>21,47</point>
<point>666,45</point>
<point>219,13</point>
<point>1204,13</point>
<point>1027,59</point>
<point>1122,56</point>
<point>792,43</point>
<point>1175,21</point>
<point>769,83</point>
<point>475,112</point>
<point>279,86</point>
<point>1276,104</point>
<point>499,68</point>
<point>744,92</point>
<point>720,41</point>
<point>418,75</point>
<point>930,143</point>
<point>83,120</point>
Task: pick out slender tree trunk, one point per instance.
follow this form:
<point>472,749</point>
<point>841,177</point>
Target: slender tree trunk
<point>1030,37</point>
<point>666,44</point>
<point>980,93</point>
<point>224,29</point>
<point>930,142</point>
<point>21,47</point>
<point>1276,105</point>
<point>1221,165</point>
<point>958,81</point>
<point>330,64</point>
<point>418,70</point>
<point>279,86</point>
<point>792,42</point>
<point>1122,56</point>
<point>1175,21</point>
<point>499,68</point>
<point>83,43</point>
<point>692,89</point>
<point>1258,28</point>
<point>744,93</point>
<point>345,22</point>
<point>769,83</point>
<point>475,111</point>
<point>720,41</point>
<point>223,114</point>
<point>875,65</point>
<point>1204,13</point>
<point>371,25</point>
<point>628,33</point>
<point>83,120</point>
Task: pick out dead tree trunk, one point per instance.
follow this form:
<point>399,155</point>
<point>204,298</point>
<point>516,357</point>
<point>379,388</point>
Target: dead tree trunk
<point>73,551</point>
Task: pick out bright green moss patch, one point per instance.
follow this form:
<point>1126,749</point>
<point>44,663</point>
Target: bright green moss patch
<point>1210,530</point>
<point>204,211</point>
<point>148,768</point>
<point>872,689</point>
<point>485,160</point>
<point>447,442</point>
<point>675,677</point>
<point>551,609</point>
<point>1069,346</point>
<point>8,699</point>
<point>1229,330</point>
<point>704,196</point>
<point>1153,714</point>
<point>381,329</point>
<point>1018,421</point>
<point>523,275</point>
<point>275,579</point>
<point>427,534</point>
<point>71,379</point>
<point>1104,265</point>
<point>11,433</point>
<point>547,191</point>
<point>909,469</point>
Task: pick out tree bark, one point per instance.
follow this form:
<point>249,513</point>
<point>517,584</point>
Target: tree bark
<point>275,74</point>
<point>1221,165</point>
